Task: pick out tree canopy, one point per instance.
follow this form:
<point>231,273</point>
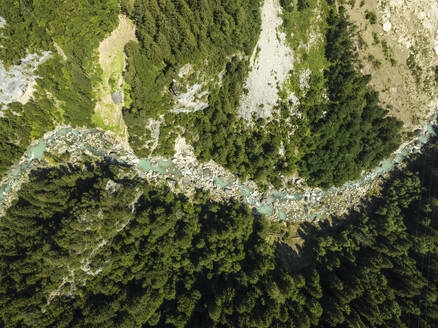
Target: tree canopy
<point>88,246</point>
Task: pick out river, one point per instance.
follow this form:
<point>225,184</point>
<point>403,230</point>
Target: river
<point>186,174</point>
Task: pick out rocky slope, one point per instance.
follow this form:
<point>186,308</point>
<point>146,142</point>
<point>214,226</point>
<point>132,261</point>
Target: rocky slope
<point>399,48</point>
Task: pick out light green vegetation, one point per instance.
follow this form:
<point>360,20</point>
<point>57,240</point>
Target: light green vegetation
<point>304,22</point>
<point>108,114</point>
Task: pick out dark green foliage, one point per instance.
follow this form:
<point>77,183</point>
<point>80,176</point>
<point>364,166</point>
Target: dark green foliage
<point>171,34</point>
<point>146,80</point>
<point>379,270</point>
<point>73,89</point>
<point>351,132</point>
<point>170,262</point>
<point>415,68</point>
<point>33,25</point>
<point>287,4</point>
<point>436,73</point>
<point>20,125</point>
<point>371,16</point>
<point>336,140</point>
<point>12,140</point>
<point>178,31</point>
<point>226,138</point>
<point>161,261</point>
<point>142,256</point>
<point>302,4</point>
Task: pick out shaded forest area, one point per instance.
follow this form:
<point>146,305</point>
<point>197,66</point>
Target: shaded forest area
<point>33,26</point>
<point>379,267</point>
<point>88,246</point>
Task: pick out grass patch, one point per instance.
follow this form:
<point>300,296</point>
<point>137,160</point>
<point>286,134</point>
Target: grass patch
<point>304,23</point>
<point>108,114</point>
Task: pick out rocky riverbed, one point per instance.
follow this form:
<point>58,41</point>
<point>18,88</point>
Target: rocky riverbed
<point>183,173</point>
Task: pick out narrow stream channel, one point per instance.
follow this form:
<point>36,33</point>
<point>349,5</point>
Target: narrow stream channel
<point>281,205</point>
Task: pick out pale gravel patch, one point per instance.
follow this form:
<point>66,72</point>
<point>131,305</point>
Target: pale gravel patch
<point>70,280</point>
<point>2,22</point>
<point>191,101</point>
<point>305,80</point>
<point>124,33</point>
<point>410,28</point>
<point>17,84</point>
<point>28,93</point>
<point>185,71</point>
<point>194,97</point>
<point>271,65</point>
<point>154,127</point>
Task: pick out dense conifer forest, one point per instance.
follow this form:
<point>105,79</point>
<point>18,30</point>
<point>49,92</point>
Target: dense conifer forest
<point>89,246</point>
<point>92,244</point>
<point>336,139</point>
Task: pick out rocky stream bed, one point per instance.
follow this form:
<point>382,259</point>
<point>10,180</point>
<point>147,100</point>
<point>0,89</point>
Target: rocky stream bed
<point>183,173</point>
